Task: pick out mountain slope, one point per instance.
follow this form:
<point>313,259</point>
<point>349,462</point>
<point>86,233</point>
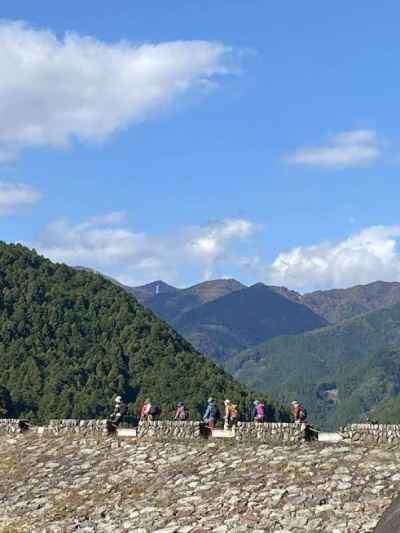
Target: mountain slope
<point>322,365</point>
<point>243,318</point>
<point>340,304</point>
<point>171,306</point>
<point>71,340</point>
<point>146,293</point>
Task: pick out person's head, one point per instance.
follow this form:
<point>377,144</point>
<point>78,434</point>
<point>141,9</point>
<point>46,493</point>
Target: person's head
<point>227,402</point>
<point>118,399</point>
<point>179,404</point>
<point>210,400</point>
<point>147,400</point>
<point>294,403</point>
<point>256,402</point>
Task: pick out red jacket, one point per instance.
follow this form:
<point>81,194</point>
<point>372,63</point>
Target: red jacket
<point>180,413</point>
<point>145,409</point>
<point>296,412</point>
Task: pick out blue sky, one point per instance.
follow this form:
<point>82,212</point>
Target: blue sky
<point>249,139</point>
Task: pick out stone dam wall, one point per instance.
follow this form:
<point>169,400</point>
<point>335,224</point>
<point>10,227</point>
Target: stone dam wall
<point>363,434</point>
<point>164,429</point>
<point>371,433</point>
<point>271,432</point>
<point>93,484</point>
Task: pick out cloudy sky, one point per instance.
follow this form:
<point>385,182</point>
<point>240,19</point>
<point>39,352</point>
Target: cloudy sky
<point>201,139</point>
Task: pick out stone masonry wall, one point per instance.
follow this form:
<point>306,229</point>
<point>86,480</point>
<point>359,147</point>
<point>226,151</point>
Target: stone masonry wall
<point>12,425</point>
<point>371,433</point>
<point>164,429</point>
<point>270,432</point>
<point>83,427</point>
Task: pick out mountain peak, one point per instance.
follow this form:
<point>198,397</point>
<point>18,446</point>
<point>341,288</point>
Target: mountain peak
<point>144,293</point>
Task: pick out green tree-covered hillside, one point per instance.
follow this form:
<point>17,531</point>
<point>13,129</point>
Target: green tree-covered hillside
<point>341,372</point>
<point>71,340</point>
<point>243,318</point>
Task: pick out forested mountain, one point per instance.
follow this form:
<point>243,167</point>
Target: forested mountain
<point>243,318</point>
<point>336,305</point>
<point>171,306</point>
<point>341,372</point>
<point>215,322</point>
<point>340,304</point>
<point>145,293</point>
<point>71,340</point>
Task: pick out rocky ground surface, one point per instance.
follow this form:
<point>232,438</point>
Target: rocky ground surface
<point>65,484</point>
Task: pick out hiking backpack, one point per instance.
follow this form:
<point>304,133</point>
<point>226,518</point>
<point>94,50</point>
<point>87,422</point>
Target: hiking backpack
<point>234,411</point>
<point>155,411</point>
<point>214,412</point>
<point>303,413</point>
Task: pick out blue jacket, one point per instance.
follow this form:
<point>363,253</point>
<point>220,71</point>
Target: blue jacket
<point>208,414</point>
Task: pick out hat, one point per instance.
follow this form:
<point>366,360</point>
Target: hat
<point>118,399</point>
<point>226,402</point>
<point>256,402</point>
<point>295,403</point>
<point>210,400</point>
<point>147,400</point>
<point>179,404</point>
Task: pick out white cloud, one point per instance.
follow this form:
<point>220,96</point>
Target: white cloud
<point>53,90</point>
<point>14,196</point>
<point>212,250</point>
<point>115,217</point>
<point>135,257</point>
<point>348,149</point>
<point>364,257</point>
<point>210,242</point>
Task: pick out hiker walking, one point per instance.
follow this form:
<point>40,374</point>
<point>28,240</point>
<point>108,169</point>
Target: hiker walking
<point>120,410</point>
<point>231,414</point>
<point>181,412</point>
<point>146,411</point>
<point>212,414</point>
<point>259,411</point>
<point>299,413</point>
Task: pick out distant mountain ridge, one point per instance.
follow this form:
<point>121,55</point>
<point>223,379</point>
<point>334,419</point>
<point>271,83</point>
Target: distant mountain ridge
<point>333,305</point>
<point>172,306</point>
<point>222,317</point>
<point>146,293</point>
<point>193,311</point>
<point>336,305</point>
<point>244,318</point>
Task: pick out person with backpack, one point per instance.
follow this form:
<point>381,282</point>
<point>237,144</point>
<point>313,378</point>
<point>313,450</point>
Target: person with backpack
<point>181,412</point>
<point>231,415</point>
<point>259,412</point>
<point>146,411</point>
<point>212,414</point>
<point>120,410</point>
<point>299,413</point>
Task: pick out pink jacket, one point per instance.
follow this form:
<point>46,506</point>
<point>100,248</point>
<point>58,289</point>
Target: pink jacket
<point>145,409</point>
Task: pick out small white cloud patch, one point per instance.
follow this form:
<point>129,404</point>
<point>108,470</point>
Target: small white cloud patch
<point>14,196</point>
<point>348,149</point>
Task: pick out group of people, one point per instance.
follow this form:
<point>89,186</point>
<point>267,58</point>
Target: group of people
<point>212,413</point>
